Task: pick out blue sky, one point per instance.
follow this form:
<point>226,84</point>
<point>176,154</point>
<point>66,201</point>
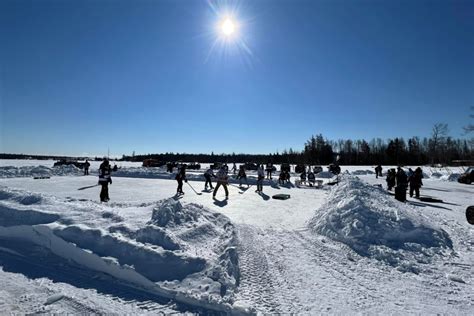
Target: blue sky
<point>82,77</point>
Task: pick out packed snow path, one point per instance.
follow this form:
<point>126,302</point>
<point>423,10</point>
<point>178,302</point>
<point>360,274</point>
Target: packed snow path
<point>287,268</point>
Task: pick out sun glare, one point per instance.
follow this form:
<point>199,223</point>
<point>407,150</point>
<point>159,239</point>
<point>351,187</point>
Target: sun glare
<point>228,27</point>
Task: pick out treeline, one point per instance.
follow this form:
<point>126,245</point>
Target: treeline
<point>320,151</point>
<point>46,157</point>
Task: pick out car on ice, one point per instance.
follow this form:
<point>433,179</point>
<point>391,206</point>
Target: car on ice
<point>216,165</point>
<point>250,166</point>
<point>66,162</point>
<point>335,169</point>
<point>153,163</point>
<point>467,177</point>
<point>300,168</point>
<point>193,165</point>
<point>317,169</point>
<point>285,167</point>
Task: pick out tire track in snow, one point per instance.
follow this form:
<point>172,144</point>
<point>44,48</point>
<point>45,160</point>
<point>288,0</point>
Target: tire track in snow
<point>297,271</point>
<point>256,287</point>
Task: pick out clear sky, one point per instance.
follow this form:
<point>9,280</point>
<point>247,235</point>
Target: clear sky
<point>79,77</point>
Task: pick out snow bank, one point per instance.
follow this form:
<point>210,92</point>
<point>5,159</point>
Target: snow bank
<point>325,175</point>
<point>375,225</point>
<point>362,172</point>
<point>39,171</point>
<point>184,252</point>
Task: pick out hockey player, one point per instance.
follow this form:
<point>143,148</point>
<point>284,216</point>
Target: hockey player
<point>208,175</point>
<point>311,179</point>
<point>180,177</point>
<point>222,179</point>
<point>303,177</point>
<point>269,170</point>
<point>242,175</point>
<point>104,180</point>
<point>260,177</point>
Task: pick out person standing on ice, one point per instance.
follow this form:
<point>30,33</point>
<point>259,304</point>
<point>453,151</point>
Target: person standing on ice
<point>104,180</point>
<point>416,182</point>
<point>222,179</point>
<point>260,177</point>
<point>390,179</point>
<point>311,178</point>
<point>402,184</point>
<point>269,170</point>
<point>242,175</point>
<point>234,168</point>
<point>180,177</point>
<point>86,167</point>
<point>208,174</point>
<point>378,171</point>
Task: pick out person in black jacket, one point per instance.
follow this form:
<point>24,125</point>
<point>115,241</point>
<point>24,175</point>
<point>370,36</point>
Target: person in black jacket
<point>402,184</point>
<point>416,182</point>
<point>104,180</point>
<point>180,177</point>
<point>391,175</point>
<point>378,171</point>
<point>86,168</point>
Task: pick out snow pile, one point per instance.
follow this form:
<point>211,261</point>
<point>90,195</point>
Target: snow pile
<point>325,175</point>
<point>362,172</point>
<point>39,171</point>
<point>453,177</point>
<point>208,234</point>
<point>184,252</point>
<point>375,225</point>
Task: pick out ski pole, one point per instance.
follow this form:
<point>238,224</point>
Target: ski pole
<point>198,193</point>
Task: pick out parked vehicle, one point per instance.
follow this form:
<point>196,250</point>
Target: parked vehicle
<point>285,167</point>
<point>467,177</point>
<point>334,169</point>
<point>153,163</point>
<point>317,169</point>
<point>193,165</point>
<point>250,166</point>
<point>65,162</point>
<point>216,165</point>
<point>300,168</point>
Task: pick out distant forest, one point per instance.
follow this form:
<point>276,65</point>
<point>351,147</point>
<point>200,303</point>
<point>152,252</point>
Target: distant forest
<point>320,151</point>
<point>437,149</point>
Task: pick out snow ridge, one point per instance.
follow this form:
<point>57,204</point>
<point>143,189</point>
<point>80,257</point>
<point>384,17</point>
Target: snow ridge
<point>375,225</point>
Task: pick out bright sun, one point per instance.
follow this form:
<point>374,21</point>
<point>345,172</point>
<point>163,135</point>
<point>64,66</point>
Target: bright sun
<point>227,27</point>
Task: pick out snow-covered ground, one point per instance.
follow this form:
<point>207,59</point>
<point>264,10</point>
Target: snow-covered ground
<point>346,248</point>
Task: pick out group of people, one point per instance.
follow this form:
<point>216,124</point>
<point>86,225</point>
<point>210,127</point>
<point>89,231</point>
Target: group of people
<point>310,176</point>
<point>397,179</point>
<point>401,181</point>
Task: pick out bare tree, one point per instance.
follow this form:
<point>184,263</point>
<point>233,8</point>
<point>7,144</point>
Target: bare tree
<point>437,140</point>
<point>469,128</point>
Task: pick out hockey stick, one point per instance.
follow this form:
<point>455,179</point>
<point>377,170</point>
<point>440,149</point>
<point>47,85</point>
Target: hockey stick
<point>198,193</point>
<point>88,187</point>
<point>242,192</point>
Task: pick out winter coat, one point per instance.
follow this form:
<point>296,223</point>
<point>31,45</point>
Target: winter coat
<point>260,173</point>
<point>104,173</point>
<point>181,175</point>
<point>402,179</point>
<point>209,173</point>
<point>415,179</point>
<point>222,176</point>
